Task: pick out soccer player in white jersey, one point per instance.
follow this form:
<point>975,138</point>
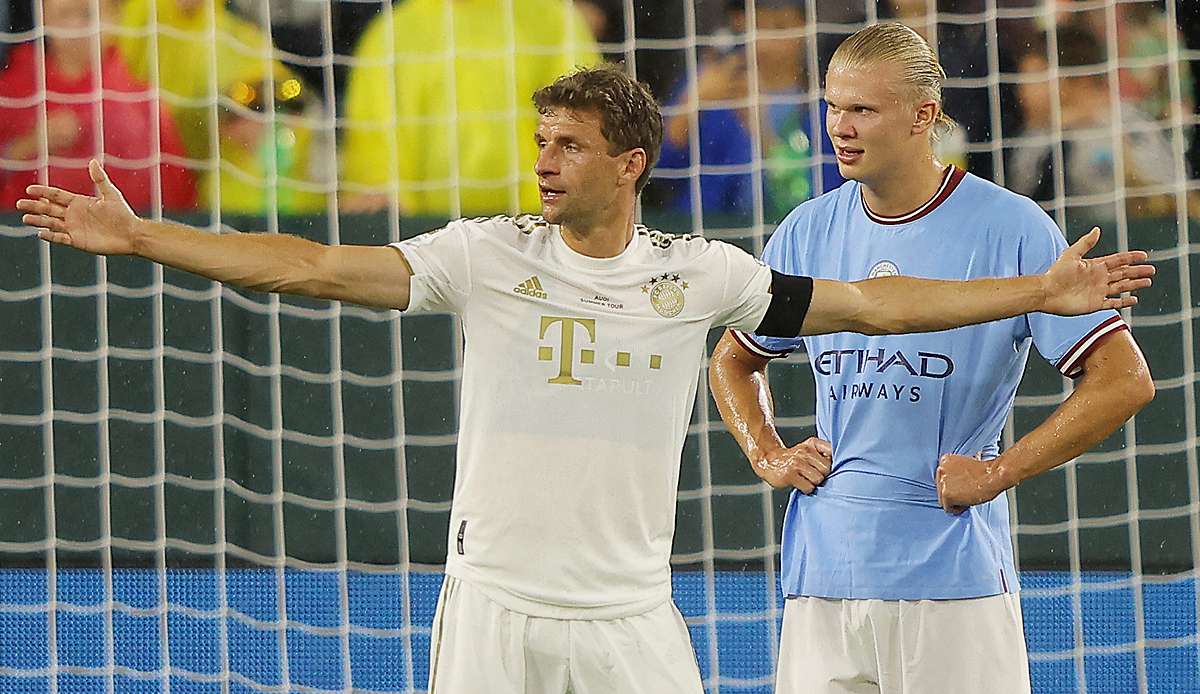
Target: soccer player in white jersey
<point>898,570</point>
<point>584,337</point>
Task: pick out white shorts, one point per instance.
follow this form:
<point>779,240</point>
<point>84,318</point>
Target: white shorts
<point>480,647</point>
<point>903,646</point>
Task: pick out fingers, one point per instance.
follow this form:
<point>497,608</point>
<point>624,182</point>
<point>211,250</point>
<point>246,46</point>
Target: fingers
<point>943,500</point>
<point>1116,260</point>
<point>1132,271</point>
<point>1128,285</point>
<point>55,237</point>
<point>103,186</point>
<point>801,483</point>
<point>42,207</point>
<point>814,475</point>
<point>44,222</point>
<point>54,195</point>
<point>941,482</point>
<point>1120,302</point>
<point>1086,242</point>
<point>821,446</point>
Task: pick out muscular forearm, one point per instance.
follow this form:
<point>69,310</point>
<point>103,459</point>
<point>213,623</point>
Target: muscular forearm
<point>1116,384</point>
<point>739,385</point>
<point>907,304</point>
<point>1085,419</point>
<point>743,399</point>
<point>264,262</point>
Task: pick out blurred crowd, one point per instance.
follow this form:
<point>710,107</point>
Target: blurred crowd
<point>423,106</point>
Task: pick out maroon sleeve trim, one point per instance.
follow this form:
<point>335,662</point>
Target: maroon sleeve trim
<point>1071,365</point>
<point>753,347</point>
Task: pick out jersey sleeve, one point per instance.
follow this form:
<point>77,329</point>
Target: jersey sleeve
<point>1064,341</point>
<point>747,291</point>
<point>441,264</point>
<point>782,255</point>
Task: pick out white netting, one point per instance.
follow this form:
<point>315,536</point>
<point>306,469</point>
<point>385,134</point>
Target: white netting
<point>210,490</point>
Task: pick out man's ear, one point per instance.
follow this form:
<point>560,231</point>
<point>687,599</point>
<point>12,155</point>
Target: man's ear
<point>925,117</point>
<point>635,165</point>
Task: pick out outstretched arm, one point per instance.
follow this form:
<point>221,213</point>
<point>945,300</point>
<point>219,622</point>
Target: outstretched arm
<point>1116,383</point>
<point>1074,285</point>
<point>105,225</point>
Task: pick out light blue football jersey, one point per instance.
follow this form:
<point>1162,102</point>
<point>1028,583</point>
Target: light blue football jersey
<point>891,405</point>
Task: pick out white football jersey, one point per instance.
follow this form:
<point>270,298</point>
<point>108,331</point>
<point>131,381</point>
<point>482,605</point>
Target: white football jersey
<point>579,377</point>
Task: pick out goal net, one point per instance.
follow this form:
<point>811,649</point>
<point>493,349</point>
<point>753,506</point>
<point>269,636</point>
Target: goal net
<point>205,489</point>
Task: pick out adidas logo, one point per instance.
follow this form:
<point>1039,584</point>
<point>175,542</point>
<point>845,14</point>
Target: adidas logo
<point>531,287</point>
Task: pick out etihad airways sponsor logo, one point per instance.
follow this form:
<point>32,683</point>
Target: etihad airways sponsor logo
<point>837,362</point>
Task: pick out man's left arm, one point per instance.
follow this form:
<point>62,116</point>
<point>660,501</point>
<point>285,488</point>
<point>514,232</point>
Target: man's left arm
<point>1073,285</point>
<point>1116,383</point>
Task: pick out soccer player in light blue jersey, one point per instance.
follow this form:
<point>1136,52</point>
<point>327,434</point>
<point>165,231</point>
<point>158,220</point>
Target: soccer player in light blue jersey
<point>897,560</point>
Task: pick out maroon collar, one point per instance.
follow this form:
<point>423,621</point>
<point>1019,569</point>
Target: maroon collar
<point>950,181</point>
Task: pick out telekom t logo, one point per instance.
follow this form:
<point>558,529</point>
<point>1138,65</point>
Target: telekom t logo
<point>568,327</point>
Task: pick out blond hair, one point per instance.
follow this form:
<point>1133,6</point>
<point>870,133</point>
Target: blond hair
<point>895,43</point>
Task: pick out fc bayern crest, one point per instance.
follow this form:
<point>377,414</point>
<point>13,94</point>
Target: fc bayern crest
<point>884,268</point>
<point>666,294</point>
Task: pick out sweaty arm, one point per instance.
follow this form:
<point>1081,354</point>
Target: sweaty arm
<point>377,276</point>
<point>1073,285</point>
<point>105,225</point>
<point>1116,383</point>
<point>739,385</point>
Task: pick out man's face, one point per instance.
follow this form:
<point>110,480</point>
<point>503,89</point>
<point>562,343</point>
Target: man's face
<point>577,177</point>
<point>870,119</point>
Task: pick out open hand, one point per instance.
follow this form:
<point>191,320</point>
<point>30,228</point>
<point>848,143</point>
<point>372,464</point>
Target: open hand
<point>1076,285</point>
<point>803,466</point>
<point>104,225</point>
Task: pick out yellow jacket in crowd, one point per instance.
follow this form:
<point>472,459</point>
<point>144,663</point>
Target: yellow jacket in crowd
<point>289,143</point>
<point>439,101</point>
<point>193,37</point>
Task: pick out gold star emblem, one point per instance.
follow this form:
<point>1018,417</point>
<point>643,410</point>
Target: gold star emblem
<point>683,284</point>
<point>645,289</point>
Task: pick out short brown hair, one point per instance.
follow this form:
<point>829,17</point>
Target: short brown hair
<point>629,115</point>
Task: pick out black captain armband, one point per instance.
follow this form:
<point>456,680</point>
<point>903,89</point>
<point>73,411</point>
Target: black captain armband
<point>790,298</point>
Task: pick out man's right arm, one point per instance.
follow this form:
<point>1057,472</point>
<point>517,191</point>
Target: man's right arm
<point>377,276</point>
<point>739,385</point>
<point>105,225</point>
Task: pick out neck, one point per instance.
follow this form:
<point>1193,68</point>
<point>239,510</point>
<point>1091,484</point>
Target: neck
<point>906,188</point>
<point>605,237</point>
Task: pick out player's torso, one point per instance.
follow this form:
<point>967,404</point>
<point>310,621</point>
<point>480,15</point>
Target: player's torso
<point>579,380</point>
<point>582,340</point>
<point>893,404</point>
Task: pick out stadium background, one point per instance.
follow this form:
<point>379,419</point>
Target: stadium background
<point>203,489</point>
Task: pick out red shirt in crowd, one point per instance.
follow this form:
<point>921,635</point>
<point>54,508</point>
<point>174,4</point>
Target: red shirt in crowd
<point>128,121</point>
